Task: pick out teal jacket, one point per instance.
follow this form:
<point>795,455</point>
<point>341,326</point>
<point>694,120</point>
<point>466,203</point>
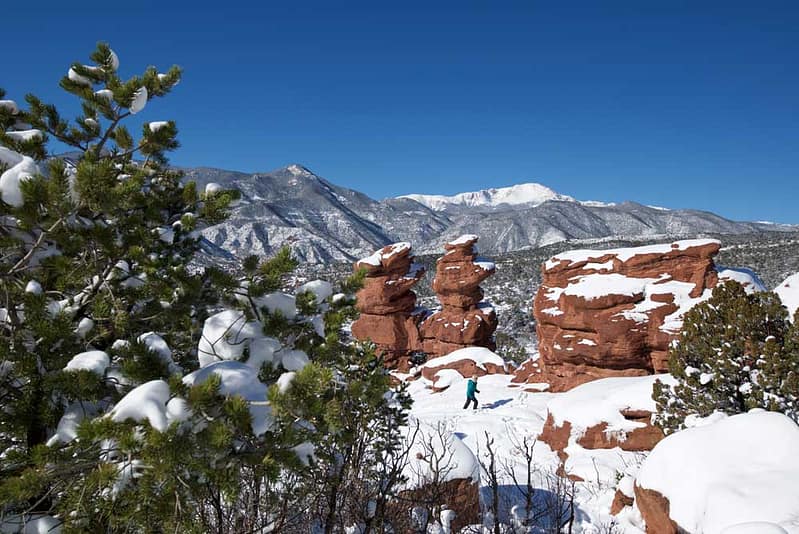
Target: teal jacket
<point>471,388</point>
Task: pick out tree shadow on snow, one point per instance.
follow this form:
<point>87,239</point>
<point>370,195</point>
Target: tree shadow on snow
<point>549,512</point>
<point>496,404</point>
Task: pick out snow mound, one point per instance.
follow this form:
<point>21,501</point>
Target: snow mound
<point>479,355</point>
<point>241,380</point>
<point>278,302</point>
<point>740,469</point>
<point>755,527</point>
<point>603,400</point>
<point>158,345</point>
<point>446,450</point>
<point>594,286</point>
<point>788,292</point>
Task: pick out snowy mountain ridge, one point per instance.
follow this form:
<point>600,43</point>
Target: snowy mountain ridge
<point>324,222</point>
<point>531,193</point>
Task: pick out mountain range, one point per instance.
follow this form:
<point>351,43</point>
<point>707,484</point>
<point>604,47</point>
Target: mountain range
<point>323,222</point>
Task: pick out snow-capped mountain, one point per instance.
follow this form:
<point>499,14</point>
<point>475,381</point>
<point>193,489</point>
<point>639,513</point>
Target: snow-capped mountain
<point>324,222</point>
<point>531,194</point>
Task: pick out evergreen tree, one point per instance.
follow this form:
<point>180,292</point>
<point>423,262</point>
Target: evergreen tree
<point>143,395</point>
<point>736,351</point>
<point>94,254</point>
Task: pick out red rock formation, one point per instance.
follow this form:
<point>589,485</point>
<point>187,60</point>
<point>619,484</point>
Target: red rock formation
<point>387,304</point>
<point>654,508</point>
<point>597,436</point>
<point>620,500</point>
<point>614,312</point>
<point>464,319</point>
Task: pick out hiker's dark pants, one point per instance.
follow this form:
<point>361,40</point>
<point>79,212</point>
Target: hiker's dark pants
<point>470,399</point>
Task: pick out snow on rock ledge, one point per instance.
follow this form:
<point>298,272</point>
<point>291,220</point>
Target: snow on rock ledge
<point>603,414</point>
<point>740,469</point>
<point>466,362</point>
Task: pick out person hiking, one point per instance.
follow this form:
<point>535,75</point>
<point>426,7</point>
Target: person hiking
<point>471,389</point>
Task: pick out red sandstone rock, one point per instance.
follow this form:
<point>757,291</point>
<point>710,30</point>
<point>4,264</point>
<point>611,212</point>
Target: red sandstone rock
<point>387,304</point>
<point>614,313</point>
<point>597,436</point>
<point>463,320</point>
<point>654,508</point>
<point>620,500</point>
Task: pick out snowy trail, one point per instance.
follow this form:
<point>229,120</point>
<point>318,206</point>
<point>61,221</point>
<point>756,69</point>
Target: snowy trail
<point>509,414</point>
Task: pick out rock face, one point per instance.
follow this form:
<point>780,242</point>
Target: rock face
<point>598,436</point>
<point>387,303</point>
<point>464,319</point>
<point>654,508</point>
<point>602,414</point>
<point>614,312</point>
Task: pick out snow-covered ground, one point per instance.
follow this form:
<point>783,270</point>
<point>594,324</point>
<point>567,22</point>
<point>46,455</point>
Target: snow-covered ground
<point>509,415</point>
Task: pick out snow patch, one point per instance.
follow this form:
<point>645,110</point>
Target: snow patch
<point>788,292</point>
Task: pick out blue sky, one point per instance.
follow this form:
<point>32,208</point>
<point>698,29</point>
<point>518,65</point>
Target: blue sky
<point>679,104</point>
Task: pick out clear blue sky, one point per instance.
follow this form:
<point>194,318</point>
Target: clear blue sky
<point>673,103</point>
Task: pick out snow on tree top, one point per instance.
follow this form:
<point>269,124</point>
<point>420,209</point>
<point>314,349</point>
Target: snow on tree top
<point>624,254</point>
<point>139,100</point>
<point>95,361</point>
<point>25,135</point>
<point>739,469</point>
<point>788,292</point>
<point>746,277</point>
<point>10,105</point>
<point>157,125</point>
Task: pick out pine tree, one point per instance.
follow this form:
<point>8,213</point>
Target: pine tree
<point>94,257</point>
<point>141,394</point>
<point>736,351</point>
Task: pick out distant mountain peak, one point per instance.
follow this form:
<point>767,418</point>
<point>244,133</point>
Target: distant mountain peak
<point>300,171</point>
<point>531,194</point>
